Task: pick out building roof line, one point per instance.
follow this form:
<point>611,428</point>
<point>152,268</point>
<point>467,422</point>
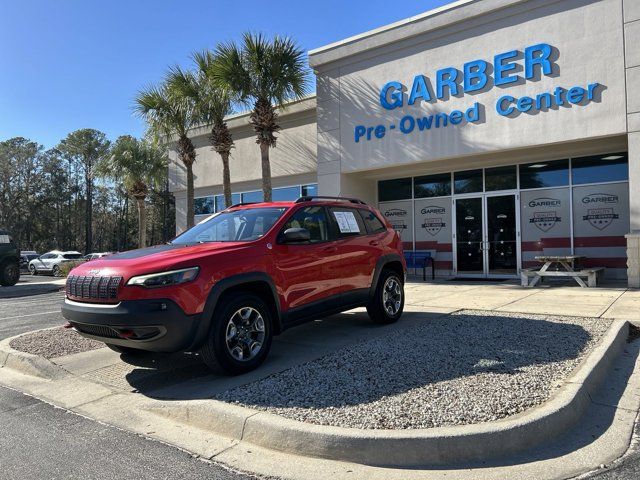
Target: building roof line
<point>238,119</point>
<point>437,18</point>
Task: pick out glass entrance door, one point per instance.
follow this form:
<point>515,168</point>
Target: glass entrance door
<point>487,236</point>
<point>501,241</point>
<point>469,236</point>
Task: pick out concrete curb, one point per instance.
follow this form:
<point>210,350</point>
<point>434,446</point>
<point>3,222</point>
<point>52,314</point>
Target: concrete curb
<point>412,448</point>
<point>28,363</point>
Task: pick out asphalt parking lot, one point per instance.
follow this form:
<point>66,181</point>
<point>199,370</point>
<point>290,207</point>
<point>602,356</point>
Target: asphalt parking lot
<point>26,278</point>
<point>32,312</point>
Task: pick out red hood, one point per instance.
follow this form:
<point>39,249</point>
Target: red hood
<point>160,258</point>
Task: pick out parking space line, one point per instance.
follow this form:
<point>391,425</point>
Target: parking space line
<point>30,315</point>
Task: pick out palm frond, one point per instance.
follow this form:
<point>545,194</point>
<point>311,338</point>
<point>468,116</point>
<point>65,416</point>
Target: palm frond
<point>228,71</point>
<point>137,164</point>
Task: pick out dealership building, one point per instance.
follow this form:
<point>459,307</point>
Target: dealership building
<point>488,132</point>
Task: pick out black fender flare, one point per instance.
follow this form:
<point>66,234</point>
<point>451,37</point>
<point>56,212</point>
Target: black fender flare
<point>380,264</point>
<point>219,288</point>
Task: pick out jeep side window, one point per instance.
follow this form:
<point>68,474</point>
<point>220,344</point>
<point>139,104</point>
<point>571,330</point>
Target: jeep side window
<point>372,222</point>
<point>313,219</point>
<point>347,222</point>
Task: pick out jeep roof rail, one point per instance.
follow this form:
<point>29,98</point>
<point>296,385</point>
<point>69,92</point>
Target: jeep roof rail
<point>241,204</point>
<point>309,198</point>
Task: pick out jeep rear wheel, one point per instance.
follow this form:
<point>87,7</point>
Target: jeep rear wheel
<point>240,335</point>
<point>388,302</point>
<point>9,274</point>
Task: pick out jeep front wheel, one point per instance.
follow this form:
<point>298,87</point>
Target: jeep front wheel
<point>240,336</point>
<point>9,274</point>
<point>388,301</point>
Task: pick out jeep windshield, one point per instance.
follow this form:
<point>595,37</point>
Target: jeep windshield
<point>235,226</point>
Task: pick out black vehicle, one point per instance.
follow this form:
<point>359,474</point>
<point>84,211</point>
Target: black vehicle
<point>25,258</point>
<point>9,260</point>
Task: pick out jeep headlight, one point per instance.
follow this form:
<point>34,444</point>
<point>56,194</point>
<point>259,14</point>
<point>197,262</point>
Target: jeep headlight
<point>165,279</point>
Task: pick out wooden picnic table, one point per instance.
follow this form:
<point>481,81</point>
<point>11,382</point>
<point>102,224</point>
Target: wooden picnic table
<point>565,266</point>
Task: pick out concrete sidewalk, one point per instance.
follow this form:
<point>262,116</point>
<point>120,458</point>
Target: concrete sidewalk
<point>614,301</point>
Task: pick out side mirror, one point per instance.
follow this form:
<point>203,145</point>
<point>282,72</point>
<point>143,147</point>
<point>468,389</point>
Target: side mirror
<point>294,235</point>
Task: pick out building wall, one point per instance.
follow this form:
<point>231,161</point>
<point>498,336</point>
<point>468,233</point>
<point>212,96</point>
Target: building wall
<point>587,41</point>
<point>293,160</point>
<point>632,64</point>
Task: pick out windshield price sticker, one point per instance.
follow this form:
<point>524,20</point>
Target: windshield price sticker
<point>346,222</point>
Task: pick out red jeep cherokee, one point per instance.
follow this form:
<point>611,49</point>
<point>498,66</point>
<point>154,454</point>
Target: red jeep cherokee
<point>227,285</point>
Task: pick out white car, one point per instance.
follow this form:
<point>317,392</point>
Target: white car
<point>50,262</point>
<point>94,256</point>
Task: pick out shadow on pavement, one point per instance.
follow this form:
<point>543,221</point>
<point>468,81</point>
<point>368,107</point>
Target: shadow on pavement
<point>419,350</point>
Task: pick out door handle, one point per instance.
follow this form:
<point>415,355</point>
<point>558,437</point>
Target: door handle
<point>374,243</point>
<point>330,249</point>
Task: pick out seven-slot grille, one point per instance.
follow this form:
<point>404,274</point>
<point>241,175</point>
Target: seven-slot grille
<point>94,288</point>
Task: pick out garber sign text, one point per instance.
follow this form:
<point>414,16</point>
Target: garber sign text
<point>476,76</point>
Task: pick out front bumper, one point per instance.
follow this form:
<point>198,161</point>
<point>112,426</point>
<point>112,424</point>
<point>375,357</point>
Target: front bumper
<point>157,325</point>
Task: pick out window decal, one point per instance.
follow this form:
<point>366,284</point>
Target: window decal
<point>346,222</point>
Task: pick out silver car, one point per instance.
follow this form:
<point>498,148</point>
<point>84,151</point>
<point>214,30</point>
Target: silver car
<point>50,262</point>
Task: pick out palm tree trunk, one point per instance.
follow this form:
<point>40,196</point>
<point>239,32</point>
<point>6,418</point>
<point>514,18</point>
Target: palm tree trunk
<point>187,153</point>
<point>266,171</point>
<point>142,223</point>
<point>226,179</point>
<point>190,209</point>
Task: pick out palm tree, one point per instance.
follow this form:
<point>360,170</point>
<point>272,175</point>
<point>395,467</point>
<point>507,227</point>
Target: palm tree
<point>264,74</point>
<point>212,105</point>
<point>169,113</point>
<point>139,165</point>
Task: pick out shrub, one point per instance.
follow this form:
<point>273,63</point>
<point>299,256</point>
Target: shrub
<point>66,267</point>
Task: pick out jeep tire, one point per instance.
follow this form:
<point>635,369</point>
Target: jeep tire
<point>240,334</point>
<point>9,273</point>
<point>387,304</point>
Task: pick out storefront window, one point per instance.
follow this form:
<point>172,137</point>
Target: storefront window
<point>468,181</point>
<point>600,222</point>
<point>500,178</point>
<point>544,174</point>
<point>285,194</point>
<point>600,168</point>
<point>203,206</point>
<point>397,189</point>
<point>310,190</point>
<point>235,198</point>
<point>432,186</point>
<point>255,196</point>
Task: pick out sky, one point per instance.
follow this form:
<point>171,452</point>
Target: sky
<point>70,64</point>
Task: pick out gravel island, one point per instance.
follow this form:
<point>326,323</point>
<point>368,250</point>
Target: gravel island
<point>54,342</point>
<point>467,367</point>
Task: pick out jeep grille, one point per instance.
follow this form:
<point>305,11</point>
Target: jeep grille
<point>93,288</point>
